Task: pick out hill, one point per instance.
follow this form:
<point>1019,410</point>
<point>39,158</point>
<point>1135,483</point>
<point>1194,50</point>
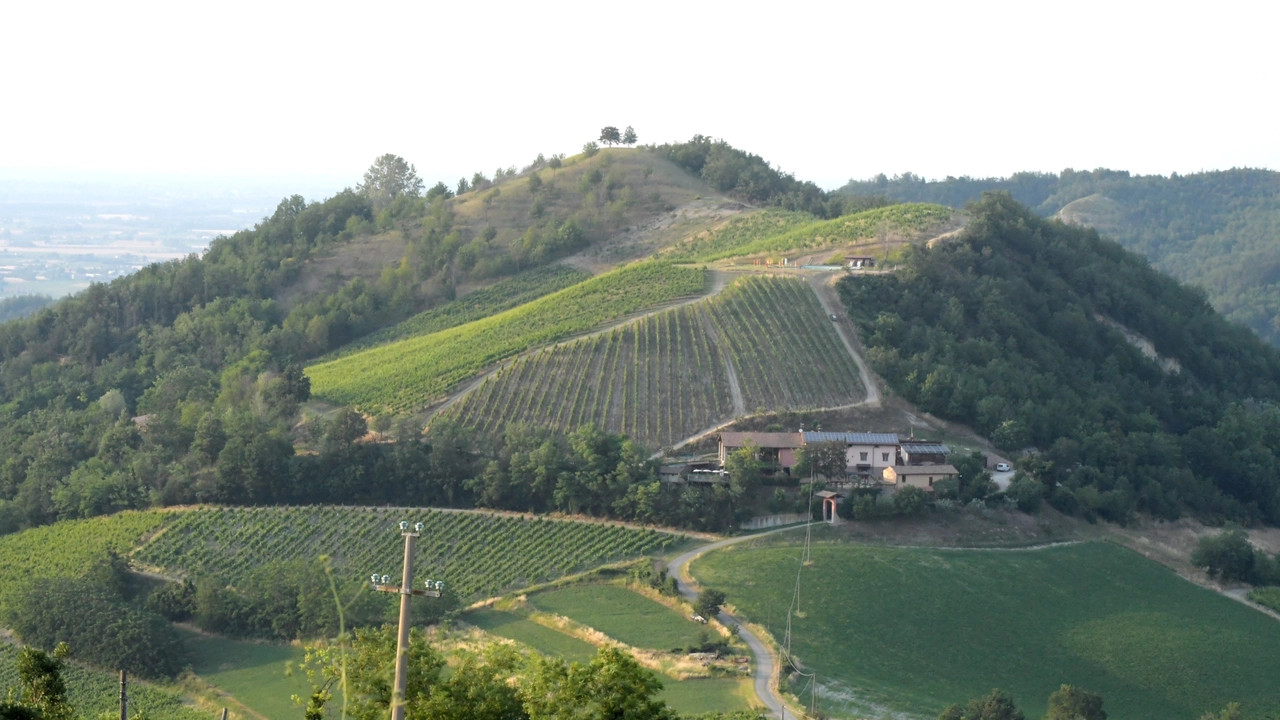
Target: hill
<point>667,376</point>
<point>1043,335</point>
<point>913,630</point>
<point>1215,230</point>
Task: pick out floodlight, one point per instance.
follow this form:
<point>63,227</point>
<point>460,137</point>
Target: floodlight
<point>404,525</point>
<point>439,584</point>
<point>386,579</point>
<point>374,578</point>
<point>418,527</point>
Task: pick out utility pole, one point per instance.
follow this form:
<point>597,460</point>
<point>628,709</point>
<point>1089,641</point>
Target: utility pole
<point>124,697</point>
<point>405,591</point>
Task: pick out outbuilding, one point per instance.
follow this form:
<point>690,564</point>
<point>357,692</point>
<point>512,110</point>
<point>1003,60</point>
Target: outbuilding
<point>773,448</point>
<point>858,262</point>
<point>921,476</point>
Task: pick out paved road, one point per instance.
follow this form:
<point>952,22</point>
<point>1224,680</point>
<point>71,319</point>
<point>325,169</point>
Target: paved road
<point>764,658</point>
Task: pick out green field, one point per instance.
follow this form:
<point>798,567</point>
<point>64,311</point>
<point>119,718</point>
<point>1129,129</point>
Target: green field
<point>686,696</point>
<point>478,554</point>
<point>525,287</point>
<point>263,677</point>
<point>68,548</point>
<point>916,629</point>
<point>663,378</point>
<point>621,614</point>
<point>1268,597</point>
<point>94,692</point>
<point>409,374</point>
<point>778,231</point>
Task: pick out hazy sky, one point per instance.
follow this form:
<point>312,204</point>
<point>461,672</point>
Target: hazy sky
<point>314,91</point>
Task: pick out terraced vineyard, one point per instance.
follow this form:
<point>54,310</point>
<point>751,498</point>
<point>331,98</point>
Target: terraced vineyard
<point>783,232</point>
<point>412,373</point>
<point>663,378</point>
<point>477,554</point>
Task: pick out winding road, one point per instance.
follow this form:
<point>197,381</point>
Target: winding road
<point>763,674</point>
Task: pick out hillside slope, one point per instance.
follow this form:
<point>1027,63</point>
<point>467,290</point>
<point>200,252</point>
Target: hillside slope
<point>1038,334</point>
<point>1219,230</point>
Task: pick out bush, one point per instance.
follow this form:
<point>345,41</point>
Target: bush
<point>1230,556</point>
<point>709,603</point>
<point>1026,491</point>
<point>910,501</point>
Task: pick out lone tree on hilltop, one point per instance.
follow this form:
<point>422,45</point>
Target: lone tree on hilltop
<point>389,177</point>
<point>609,135</point>
<point>629,136</point>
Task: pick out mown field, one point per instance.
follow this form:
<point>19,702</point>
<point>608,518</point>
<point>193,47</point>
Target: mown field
<point>477,554</point>
<point>778,231</point>
<point>264,677</point>
<point>621,614</point>
<point>94,693</point>
<point>409,374</point>
<point>914,630</point>
<point>663,378</point>
<point>475,305</point>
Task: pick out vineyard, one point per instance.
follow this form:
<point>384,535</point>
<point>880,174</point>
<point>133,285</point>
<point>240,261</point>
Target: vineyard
<point>663,378</point>
<point>777,231</point>
<point>512,292</point>
<point>477,554</point>
<point>409,374</point>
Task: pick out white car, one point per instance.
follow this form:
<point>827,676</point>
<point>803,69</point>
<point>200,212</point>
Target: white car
<point>1003,467</point>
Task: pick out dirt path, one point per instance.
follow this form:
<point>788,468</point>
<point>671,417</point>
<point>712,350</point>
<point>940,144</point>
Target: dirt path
<point>824,288</point>
<point>731,373</point>
<point>765,659</point>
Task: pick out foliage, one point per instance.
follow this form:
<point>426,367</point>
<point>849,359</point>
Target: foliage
<point>388,178</point>
<point>1026,491</point>
<point>629,136</point>
<point>409,374</point>
<point>476,554</point>
<point>663,379</point>
<point>781,233</point>
<point>1268,597</point>
<point>1072,703</point>
<point>1012,326</point>
<point>1094,614</point>
<point>504,295</point>
<point>1230,556</point>
<point>610,135</point>
<point>20,306</point>
<point>828,459</point>
<point>993,706</point>
<point>709,603</point>
<point>1214,230</point>
<point>590,149</point>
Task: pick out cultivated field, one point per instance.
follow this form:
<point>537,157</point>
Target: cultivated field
<point>778,232</point>
<point>95,693</point>
<point>410,374</point>
<point>621,614</point>
<point>664,378</point>
<point>477,554</point>
<point>917,629</point>
<point>262,676</point>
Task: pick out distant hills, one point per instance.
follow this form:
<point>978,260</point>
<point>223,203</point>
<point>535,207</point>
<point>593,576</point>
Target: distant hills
<point>1218,231</point>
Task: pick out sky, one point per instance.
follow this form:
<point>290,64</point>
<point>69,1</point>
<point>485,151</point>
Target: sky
<point>307,94</point>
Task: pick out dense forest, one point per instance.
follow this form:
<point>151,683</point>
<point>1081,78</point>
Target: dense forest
<point>1030,330</point>
<point>1219,230</point>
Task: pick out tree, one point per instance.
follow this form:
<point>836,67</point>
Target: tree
<point>43,689</point>
<point>1073,703</point>
<point>1230,712</point>
<point>1230,556</point>
<point>609,135</point>
<point>828,459</point>
<point>709,603</point>
<point>629,136</point>
<point>994,706</point>
<point>590,149</point>
<point>744,468</point>
<point>1026,491</point>
<point>388,178</point>
<point>463,185</point>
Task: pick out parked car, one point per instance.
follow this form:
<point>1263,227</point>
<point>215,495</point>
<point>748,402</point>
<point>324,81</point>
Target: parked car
<point>833,316</point>
<point>1003,467</point>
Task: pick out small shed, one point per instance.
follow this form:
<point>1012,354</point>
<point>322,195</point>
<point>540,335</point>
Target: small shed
<point>773,447</point>
<point>830,501</point>
<point>857,262</point>
<point>921,476</point>
<point>924,453</point>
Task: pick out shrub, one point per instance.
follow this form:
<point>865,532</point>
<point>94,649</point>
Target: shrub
<point>1026,491</point>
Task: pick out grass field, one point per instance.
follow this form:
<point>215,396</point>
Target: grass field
<point>621,614</point>
<point>687,696</point>
<point>253,673</point>
<point>409,374</point>
<point>94,693</point>
<point>916,629</point>
<point>663,378</point>
<point>789,232</point>
<point>477,554</point>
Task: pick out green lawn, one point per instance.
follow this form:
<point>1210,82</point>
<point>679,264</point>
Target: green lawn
<point>622,615</point>
<point>917,629</point>
<point>253,673</point>
<point>690,697</point>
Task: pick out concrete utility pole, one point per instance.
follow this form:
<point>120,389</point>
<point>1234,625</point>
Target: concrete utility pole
<point>406,591</point>
<point>124,698</point>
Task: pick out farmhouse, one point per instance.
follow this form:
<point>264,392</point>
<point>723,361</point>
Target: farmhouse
<point>772,448</point>
<point>866,451</point>
<point>924,453</point>
<point>857,262</point>
<point>921,476</point>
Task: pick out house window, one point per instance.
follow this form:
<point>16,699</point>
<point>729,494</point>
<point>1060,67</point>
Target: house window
<point>884,457</point>
<point>863,456</point>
